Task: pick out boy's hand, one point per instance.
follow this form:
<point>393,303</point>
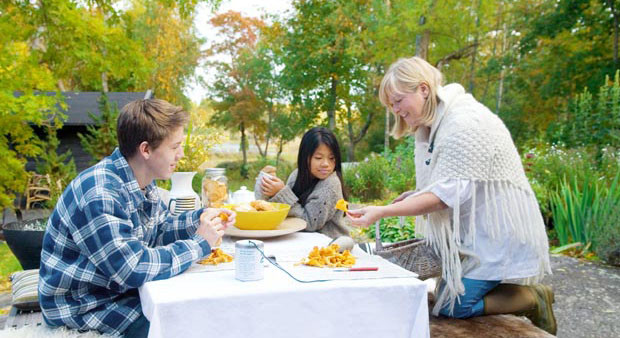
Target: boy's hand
<point>211,227</point>
<point>227,216</point>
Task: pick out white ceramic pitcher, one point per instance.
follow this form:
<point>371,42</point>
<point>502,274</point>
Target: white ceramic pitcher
<point>182,190</point>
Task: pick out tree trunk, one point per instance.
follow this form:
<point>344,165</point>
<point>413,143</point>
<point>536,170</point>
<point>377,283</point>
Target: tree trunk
<point>104,82</point>
<point>351,146</point>
<point>615,16</point>
<point>422,40</point>
<point>472,69</point>
<point>269,119</point>
<point>61,86</point>
<point>243,150</point>
<point>499,21</point>
<point>260,150</point>
<point>279,152</point>
<point>331,110</point>
<point>500,87</point>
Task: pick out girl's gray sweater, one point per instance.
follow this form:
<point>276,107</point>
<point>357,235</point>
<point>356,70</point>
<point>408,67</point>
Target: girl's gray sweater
<point>318,212</point>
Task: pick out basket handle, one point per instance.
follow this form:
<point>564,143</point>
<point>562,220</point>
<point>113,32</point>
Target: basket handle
<point>378,245</point>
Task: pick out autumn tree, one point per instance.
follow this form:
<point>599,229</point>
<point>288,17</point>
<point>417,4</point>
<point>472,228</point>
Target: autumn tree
<point>70,45</point>
<point>170,46</point>
<point>21,76</point>
<point>564,47</point>
<point>237,105</point>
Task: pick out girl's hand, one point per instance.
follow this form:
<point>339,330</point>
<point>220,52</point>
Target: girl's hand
<point>271,185</point>
<point>403,196</point>
<point>365,216</point>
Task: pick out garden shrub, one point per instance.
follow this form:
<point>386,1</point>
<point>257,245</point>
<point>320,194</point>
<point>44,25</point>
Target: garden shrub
<point>392,172</point>
<point>368,179</point>
<point>401,168</point>
<point>546,167</point>
<point>235,178</point>
<point>606,236</point>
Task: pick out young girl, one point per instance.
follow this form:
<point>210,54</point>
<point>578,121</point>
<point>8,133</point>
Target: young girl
<point>313,189</point>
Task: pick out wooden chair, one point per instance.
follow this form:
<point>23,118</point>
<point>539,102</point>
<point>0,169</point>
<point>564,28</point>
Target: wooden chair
<point>38,189</point>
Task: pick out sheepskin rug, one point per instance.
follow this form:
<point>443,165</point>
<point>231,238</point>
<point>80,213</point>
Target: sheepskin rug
<point>43,331</point>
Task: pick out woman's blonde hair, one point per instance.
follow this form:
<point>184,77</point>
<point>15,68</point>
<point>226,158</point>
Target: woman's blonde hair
<point>405,76</point>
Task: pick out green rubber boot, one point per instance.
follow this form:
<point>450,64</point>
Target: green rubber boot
<point>542,315</point>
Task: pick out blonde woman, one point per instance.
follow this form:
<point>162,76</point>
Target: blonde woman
<point>474,196</point>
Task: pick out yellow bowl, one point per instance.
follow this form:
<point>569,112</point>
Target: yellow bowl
<point>261,220</point>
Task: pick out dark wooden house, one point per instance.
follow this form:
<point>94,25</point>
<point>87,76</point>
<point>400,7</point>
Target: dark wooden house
<point>79,105</point>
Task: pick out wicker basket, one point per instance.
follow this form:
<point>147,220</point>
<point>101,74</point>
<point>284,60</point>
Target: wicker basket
<point>414,255</point>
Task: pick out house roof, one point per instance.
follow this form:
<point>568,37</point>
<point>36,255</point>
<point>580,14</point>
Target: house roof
<point>79,104</point>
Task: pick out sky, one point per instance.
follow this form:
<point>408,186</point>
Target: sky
<point>252,8</point>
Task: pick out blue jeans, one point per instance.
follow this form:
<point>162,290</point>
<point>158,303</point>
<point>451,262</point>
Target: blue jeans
<point>138,329</point>
<point>471,304</point>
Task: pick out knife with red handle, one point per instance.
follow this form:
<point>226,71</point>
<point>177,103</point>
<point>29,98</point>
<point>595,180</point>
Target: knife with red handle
<point>370,268</point>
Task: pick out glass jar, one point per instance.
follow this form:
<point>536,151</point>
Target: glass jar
<point>214,188</point>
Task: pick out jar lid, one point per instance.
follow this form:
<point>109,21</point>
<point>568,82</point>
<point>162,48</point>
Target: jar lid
<point>215,171</point>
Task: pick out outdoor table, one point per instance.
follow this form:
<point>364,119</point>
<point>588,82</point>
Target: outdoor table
<point>202,303</point>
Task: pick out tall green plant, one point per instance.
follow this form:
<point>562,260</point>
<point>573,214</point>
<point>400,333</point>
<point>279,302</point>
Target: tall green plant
<point>579,209</point>
<point>592,122</point>
<point>60,168</point>
<point>100,139</point>
<point>571,211</point>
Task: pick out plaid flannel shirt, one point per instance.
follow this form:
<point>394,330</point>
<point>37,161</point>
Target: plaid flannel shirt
<point>105,239</point>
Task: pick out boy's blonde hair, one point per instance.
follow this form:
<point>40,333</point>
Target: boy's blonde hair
<point>403,77</point>
<point>149,120</point>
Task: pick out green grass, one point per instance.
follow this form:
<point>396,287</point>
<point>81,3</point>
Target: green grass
<point>8,265</point>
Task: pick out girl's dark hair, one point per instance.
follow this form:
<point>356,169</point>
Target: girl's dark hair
<point>312,139</point>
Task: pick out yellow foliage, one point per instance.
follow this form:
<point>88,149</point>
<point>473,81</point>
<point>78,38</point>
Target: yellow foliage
<point>201,138</point>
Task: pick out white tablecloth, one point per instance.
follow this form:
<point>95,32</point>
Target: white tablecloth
<point>215,304</point>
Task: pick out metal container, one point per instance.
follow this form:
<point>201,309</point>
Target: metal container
<point>249,260</point>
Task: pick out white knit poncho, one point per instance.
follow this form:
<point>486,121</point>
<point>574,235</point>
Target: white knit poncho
<point>469,142</point>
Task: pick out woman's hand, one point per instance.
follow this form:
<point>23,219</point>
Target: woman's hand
<point>403,196</point>
<point>365,216</point>
<point>271,185</point>
<point>211,227</point>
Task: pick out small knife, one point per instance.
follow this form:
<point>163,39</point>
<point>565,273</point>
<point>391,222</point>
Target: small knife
<point>370,268</point>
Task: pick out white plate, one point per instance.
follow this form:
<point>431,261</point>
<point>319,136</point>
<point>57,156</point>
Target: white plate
<point>288,226</point>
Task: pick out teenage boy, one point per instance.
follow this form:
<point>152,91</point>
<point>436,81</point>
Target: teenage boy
<point>110,231</point>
